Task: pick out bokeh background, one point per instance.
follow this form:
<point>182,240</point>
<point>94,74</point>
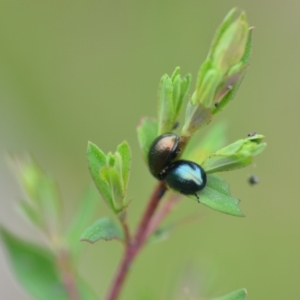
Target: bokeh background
<point>73,71</point>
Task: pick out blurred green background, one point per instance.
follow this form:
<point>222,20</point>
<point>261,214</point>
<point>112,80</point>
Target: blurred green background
<point>73,71</point>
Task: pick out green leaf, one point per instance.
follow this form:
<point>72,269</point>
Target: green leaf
<point>245,61</point>
<point>208,88</point>
<point>44,204</point>
<point>177,101</point>
<point>214,139</point>
<point>97,160</point>
<point>236,295</point>
<point>236,155</point>
<point>175,73</point>
<point>165,105</point>
<point>113,179</point>
<point>247,54</point>
<point>110,160</point>
<point>221,30</point>
<point>124,150</point>
<point>205,67</point>
<point>180,90</point>
<point>34,267</point>
<point>231,45</point>
<point>104,228</point>
<point>216,195</point>
<point>147,131</point>
<point>196,116</point>
<point>228,83</point>
<point>109,172</point>
<point>85,211</point>
<point>184,88</point>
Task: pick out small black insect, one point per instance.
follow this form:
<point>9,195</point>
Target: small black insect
<point>253,180</point>
<point>250,134</point>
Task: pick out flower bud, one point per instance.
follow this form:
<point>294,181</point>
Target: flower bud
<point>231,45</point>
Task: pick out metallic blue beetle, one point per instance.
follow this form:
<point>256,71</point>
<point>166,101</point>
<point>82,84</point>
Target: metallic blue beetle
<point>186,177</point>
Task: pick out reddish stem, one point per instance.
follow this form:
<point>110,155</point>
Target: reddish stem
<point>133,246</point>
<point>152,205</point>
<point>126,232</point>
<point>65,267</point>
<point>160,215</point>
<point>121,273</point>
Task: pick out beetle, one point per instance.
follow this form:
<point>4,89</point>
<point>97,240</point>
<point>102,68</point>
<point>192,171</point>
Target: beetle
<point>163,151</point>
<point>186,177</point>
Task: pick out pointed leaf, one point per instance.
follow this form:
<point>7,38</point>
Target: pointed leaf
<point>147,132</point>
<point>175,73</point>
<point>34,267</point>
<point>43,194</point>
<point>184,88</point>
<point>96,161</point>
<point>165,105</point>
<point>245,61</point>
<point>231,45</point>
<point>236,295</point>
<point>113,179</point>
<point>228,83</point>
<point>236,155</point>
<point>176,96</point>
<point>204,68</point>
<point>104,228</point>
<point>198,151</point>
<point>247,54</point>
<point>180,89</point>
<point>124,151</point>
<point>216,195</point>
<point>223,27</point>
<point>196,116</point>
<point>208,87</point>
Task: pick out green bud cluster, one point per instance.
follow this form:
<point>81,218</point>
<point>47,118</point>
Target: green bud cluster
<point>221,73</point>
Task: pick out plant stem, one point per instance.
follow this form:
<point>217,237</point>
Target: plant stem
<point>121,273</point>
<point>147,225</point>
<point>157,194</point>
<point>126,232</point>
<point>160,215</point>
<point>134,245</point>
<point>65,267</point>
